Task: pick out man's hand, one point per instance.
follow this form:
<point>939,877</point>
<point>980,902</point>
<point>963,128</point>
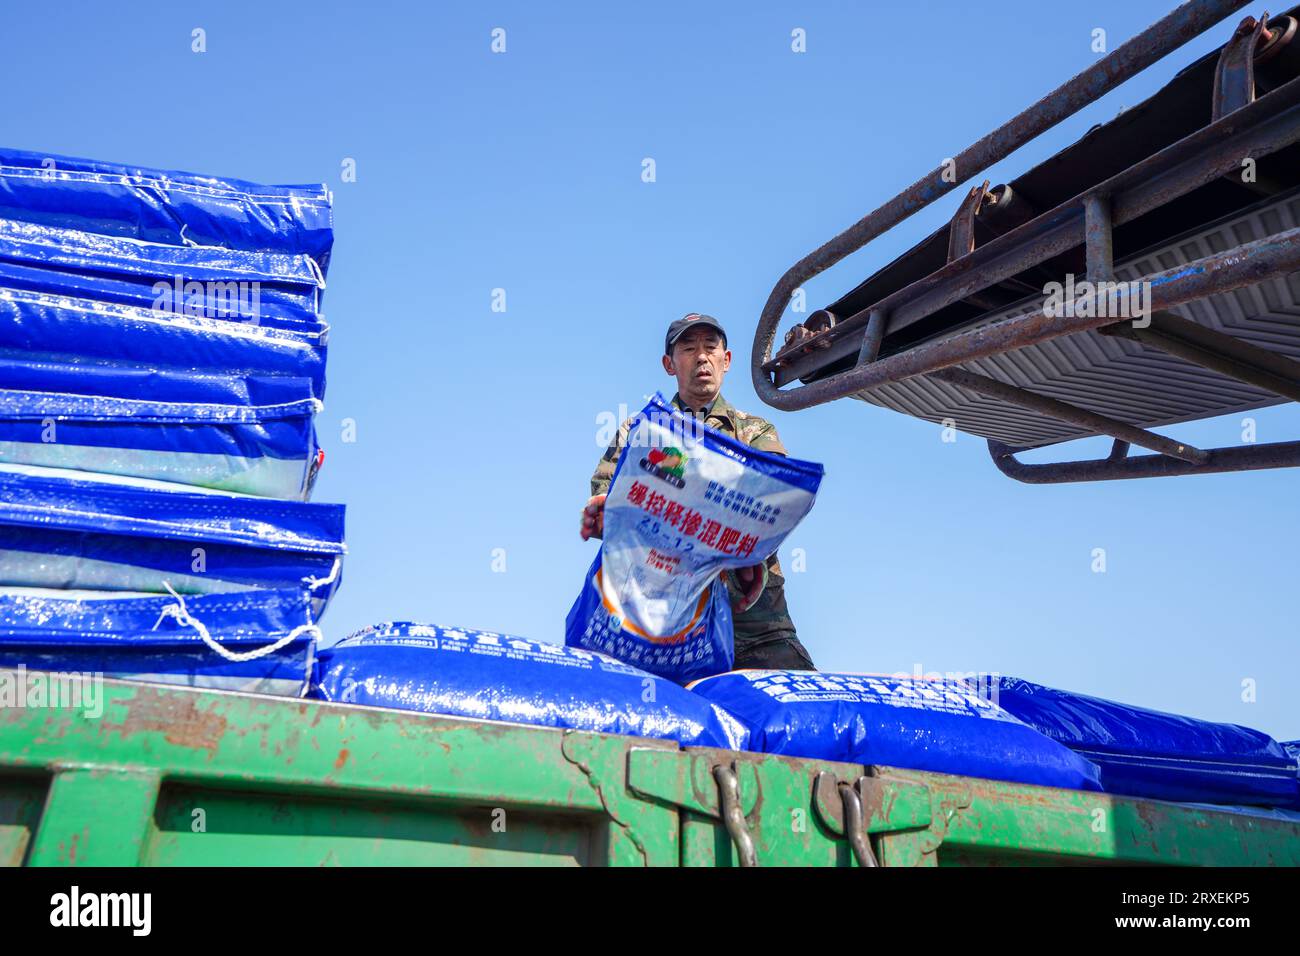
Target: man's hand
<point>593,518</point>
<point>750,582</point>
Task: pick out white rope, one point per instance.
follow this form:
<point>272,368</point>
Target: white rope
<point>316,271</point>
<point>183,617</point>
<point>314,583</point>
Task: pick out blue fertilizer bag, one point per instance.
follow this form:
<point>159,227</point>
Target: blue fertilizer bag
<point>1147,753</point>
<point>260,288</point>
<point>43,327</point>
<point>167,206</point>
<point>100,532</point>
<point>686,502</point>
<point>486,676</point>
<point>255,641</point>
<point>248,434</point>
<point>915,723</point>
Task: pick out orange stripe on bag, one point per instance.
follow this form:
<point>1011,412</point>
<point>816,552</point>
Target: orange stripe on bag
<point>628,625</point>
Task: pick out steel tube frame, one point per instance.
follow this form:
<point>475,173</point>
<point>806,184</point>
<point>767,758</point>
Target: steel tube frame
<point>1098,237</point>
<point>1241,126</point>
<point>874,335</point>
<point>1234,268</point>
<point>1118,466</point>
<point>1132,57</point>
<point>1263,127</point>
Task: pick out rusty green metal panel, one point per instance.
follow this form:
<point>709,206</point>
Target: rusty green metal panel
<point>79,801</point>
<point>987,822</point>
<point>788,823</point>
<point>173,776</point>
<point>269,768</point>
<point>196,826</point>
<point>776,799</point>
<point>22,795</point>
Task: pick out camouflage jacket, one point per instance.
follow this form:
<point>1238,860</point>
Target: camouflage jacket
<point>768,617</point>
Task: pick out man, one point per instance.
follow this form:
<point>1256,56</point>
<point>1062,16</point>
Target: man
<point>696,354</point>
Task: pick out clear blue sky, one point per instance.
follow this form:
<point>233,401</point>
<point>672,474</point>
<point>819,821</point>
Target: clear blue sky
<point>522,171</point>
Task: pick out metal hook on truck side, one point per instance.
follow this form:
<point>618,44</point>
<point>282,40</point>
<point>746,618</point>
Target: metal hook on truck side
<point>733,817</point>
<point>855,827</point>
<point>841,807</point>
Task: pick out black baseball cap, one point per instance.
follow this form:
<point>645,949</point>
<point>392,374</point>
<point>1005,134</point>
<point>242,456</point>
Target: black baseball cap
<point>678,329</point>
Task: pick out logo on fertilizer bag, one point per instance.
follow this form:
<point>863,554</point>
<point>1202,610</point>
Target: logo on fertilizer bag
<point>666,464</point>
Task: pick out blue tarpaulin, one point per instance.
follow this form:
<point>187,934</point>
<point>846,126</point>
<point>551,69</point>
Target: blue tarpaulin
<point>257,641</point>
<point>134,535</point>
<point>238,433</point>
<point>260,288</point>
<point>166,206</point>
<point>1148,753</point>
<point>37,326</point>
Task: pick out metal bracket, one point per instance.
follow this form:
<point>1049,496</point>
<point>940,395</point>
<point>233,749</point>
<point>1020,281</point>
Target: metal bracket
<point>950,803</point>
<point>961,230</point>
<point>804,337</point>
<point>711,785</point>
<point>584,751</point>
<point>1234,75</point>
<point>659,774</point>
<point>869,805</point>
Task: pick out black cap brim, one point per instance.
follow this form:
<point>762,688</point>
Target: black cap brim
<point>682,326</point>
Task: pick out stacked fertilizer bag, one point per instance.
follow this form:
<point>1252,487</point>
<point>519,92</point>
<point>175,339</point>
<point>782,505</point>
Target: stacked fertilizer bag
<point>162,359</point>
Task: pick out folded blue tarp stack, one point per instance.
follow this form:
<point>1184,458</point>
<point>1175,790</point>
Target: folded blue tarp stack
<point>162,358</point>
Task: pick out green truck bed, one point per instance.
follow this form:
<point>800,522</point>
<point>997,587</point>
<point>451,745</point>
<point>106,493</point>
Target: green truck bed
<point>175,776</point>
